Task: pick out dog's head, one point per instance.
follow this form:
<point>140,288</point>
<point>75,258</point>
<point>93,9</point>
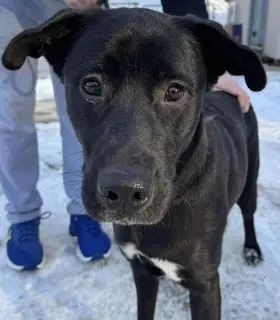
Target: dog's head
<point>134,83</point>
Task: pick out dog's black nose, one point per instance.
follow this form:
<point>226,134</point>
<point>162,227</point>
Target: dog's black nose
<point>124,189</point>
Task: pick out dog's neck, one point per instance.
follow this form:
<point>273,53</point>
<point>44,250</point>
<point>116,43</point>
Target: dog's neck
<point>193,154</point>
<point>193,158</point>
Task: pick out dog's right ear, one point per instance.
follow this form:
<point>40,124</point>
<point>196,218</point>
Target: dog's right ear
<point>51,40</point>
<point>221,53</point>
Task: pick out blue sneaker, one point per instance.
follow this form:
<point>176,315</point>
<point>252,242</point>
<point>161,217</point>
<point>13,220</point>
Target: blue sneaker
<point>24,249</point>
<point>93,242</point>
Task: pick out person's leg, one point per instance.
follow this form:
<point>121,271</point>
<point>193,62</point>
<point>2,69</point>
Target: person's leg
<point>183,7</point>
<point>19,168</point>
<point>71,151</point>
<point>93,243</point>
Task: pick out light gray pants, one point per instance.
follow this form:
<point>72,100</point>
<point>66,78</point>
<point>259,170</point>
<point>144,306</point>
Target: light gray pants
<point>19,165</point>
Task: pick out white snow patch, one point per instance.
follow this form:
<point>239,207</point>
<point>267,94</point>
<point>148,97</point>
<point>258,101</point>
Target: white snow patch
<point>44,89</point>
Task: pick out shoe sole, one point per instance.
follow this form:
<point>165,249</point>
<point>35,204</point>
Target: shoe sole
<point>18,268</point>
<point>85,259</point>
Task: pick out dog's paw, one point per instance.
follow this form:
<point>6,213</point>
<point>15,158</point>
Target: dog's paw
<point>253,256</point>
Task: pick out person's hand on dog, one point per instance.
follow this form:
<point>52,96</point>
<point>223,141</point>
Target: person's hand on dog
<point>227,84</point>
<point>81,4</point>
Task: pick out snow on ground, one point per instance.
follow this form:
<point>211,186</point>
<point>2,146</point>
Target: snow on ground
<point>44,89</point>
<point>65,289</point>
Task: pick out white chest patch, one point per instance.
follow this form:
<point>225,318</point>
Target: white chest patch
<point>170,269</point>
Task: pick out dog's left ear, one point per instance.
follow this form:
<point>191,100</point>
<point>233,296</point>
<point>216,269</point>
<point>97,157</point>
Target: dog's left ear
<point>52,40</point>
<point>221,53</point>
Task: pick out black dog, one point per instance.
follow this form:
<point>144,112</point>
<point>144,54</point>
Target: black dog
<point>164,160</point>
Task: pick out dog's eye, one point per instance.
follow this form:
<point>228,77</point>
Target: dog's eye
<point>174,93</point>
<point>92,86</point>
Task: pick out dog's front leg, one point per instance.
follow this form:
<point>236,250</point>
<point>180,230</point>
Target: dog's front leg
<point>147,289</point>
<point>206,304</point>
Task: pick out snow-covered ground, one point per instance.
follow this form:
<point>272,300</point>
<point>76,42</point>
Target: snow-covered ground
<point>65,289</point>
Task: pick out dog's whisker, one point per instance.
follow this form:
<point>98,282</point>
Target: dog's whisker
<point>74,154</point>
<point>53,187</point>
<point>72,184</point>
<point>183,198</point>
<point>62,185</point>
<point>72,174</point>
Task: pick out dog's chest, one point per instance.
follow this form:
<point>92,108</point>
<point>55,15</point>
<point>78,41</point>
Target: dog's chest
<point>155,265</point>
